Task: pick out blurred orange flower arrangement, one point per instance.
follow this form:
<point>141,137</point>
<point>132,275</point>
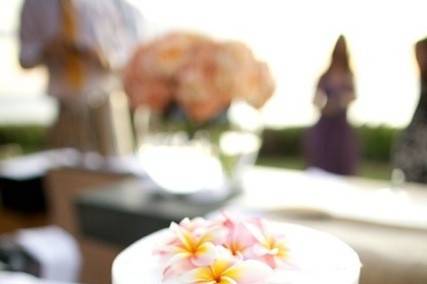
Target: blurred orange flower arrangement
<point>201,75</point>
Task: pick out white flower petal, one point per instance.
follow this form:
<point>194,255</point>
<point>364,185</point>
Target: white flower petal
<point>206,257</point>
<point>252,272</point>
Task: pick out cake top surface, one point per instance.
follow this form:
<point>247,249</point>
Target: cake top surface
<point>237,250</point>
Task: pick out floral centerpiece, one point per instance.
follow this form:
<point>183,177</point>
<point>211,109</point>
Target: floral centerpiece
<point>188,83</point>
<point>228,250</point>
<point>232,248</point>
<point>199,74</point>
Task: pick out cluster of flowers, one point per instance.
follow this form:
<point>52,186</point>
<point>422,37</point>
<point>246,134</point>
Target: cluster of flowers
<point>227,250</point>
<point>199,74</point>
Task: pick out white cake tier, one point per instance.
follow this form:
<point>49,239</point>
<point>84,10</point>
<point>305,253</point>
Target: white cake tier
<point>319,258</point>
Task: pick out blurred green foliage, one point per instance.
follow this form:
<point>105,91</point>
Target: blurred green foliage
<point>376,142</point>
<point>282,142</point>
<point>29,138</point>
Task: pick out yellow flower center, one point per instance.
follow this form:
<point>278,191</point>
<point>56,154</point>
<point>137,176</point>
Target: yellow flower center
<point>220,272</point>
<point>235,247</point>
<point>277,247</point>
<point>192,245</point>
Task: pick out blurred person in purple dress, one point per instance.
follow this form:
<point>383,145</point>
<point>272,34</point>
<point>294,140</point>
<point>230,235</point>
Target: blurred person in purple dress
<point>83,44</point>
<point>331,144</point>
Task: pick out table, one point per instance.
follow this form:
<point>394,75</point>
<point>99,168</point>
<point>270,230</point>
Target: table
<point>22,179</point>
<point>124,212</point>
<point>386,227</point>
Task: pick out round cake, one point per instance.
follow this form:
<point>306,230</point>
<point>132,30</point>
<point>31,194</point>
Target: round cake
<point>235,250</point>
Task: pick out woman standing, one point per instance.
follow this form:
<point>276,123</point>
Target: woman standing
<point>331,144</point>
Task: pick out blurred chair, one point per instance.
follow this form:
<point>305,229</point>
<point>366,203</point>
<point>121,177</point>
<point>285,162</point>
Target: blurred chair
<point>46,252</point>
<point>63,186</point>
<point>22,278</point>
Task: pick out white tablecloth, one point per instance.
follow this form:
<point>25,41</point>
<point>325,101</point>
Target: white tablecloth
<point>387,228</point>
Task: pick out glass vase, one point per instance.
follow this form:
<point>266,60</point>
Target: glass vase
<point>183,157</point>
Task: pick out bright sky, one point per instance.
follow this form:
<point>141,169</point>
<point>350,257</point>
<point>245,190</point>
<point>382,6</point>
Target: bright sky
<point>296,38</point>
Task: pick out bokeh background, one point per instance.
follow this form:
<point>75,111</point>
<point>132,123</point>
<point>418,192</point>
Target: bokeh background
<point>295,38</point>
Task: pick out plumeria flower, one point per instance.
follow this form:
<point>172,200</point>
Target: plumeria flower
<point>193,246</point>
<point>226,269</point>
<point>269,248</point>
<point>239,239</point>
<point>196,227</point>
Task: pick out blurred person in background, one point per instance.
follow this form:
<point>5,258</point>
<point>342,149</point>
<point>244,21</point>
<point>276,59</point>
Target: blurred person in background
<point>331,144</point>
<point>83,44</point>
<point>411,148</point>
